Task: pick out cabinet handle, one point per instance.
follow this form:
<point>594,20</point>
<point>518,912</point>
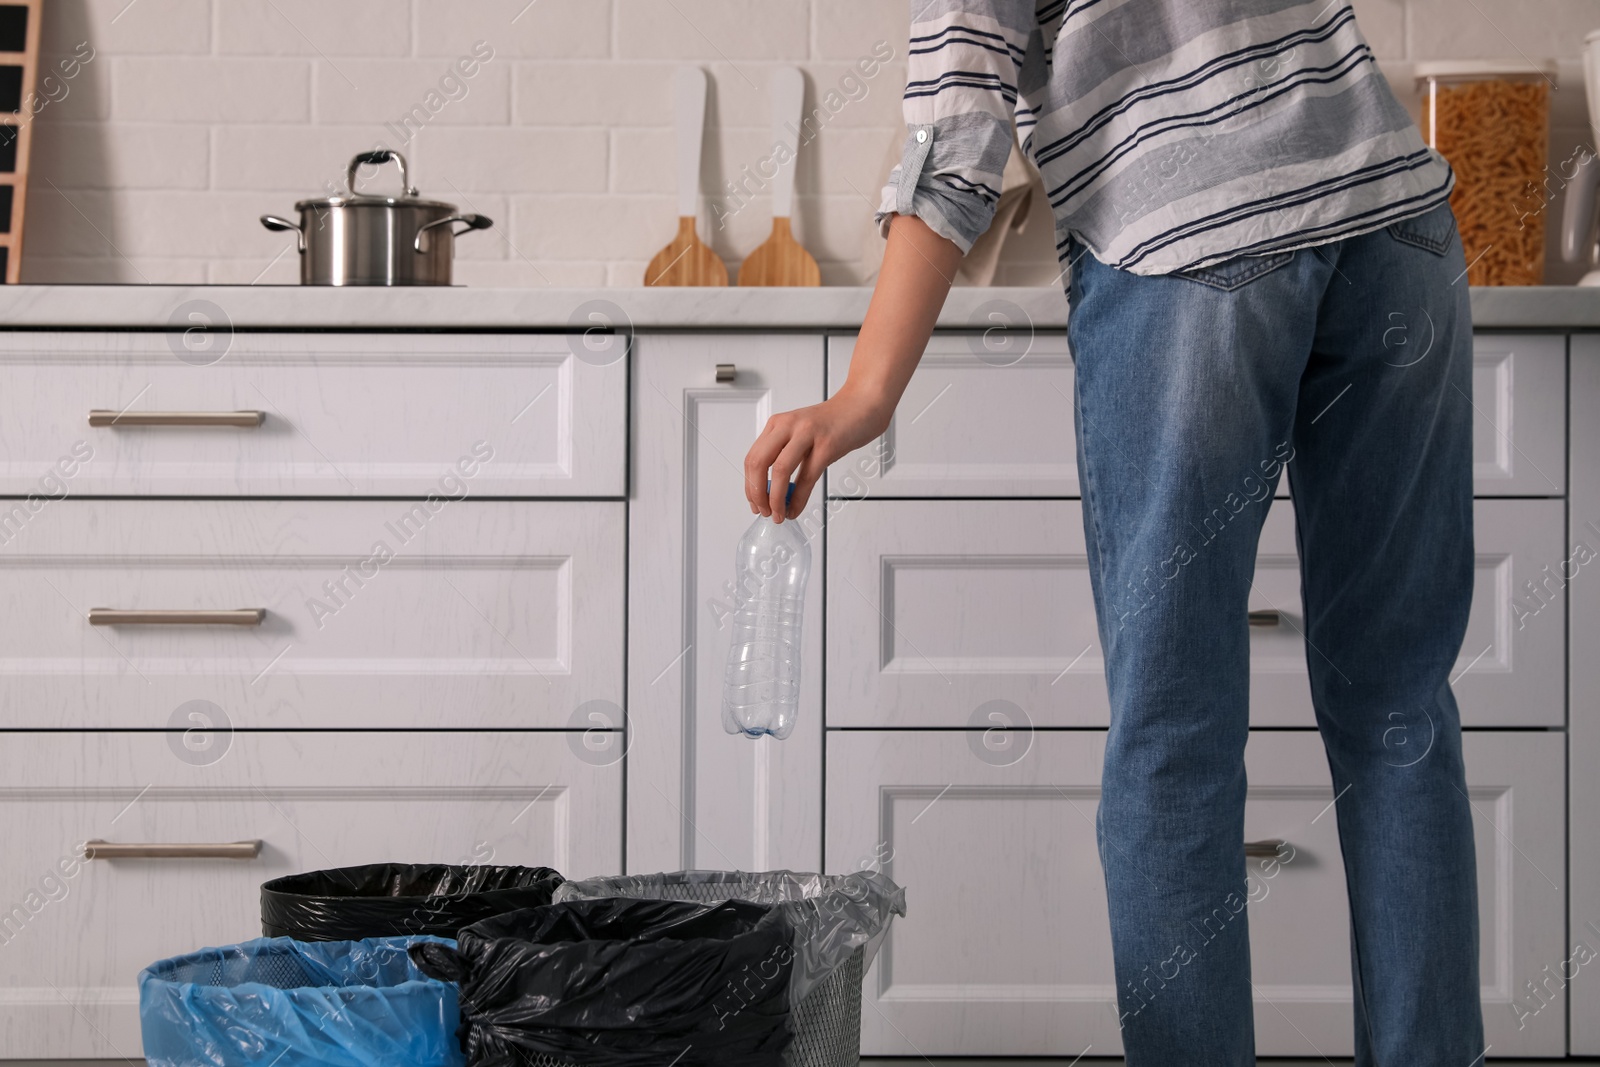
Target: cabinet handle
<point>229,850</point>
<point>178,617</point>
<point>726,372</point>
<point>244,419</point>
<point>1269,848</point>
<point>1265,617</point>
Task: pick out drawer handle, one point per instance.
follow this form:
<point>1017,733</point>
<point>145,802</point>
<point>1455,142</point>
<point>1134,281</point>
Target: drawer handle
<point>1266,617</point>
<point>243,419</point>
<point>1270,848</point>
<point>726,372</point>
<point>229,850</point>
<point>178,617</point>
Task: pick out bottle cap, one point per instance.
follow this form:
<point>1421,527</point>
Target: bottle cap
<point>788,497</point>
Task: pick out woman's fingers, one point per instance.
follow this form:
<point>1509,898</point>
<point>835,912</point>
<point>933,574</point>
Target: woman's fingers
<point>759,459</point>
<point>788,460</point>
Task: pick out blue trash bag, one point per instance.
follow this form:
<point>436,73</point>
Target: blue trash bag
<point>285,1003</point>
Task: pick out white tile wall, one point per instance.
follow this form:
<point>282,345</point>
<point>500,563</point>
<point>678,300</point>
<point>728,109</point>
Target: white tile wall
<point>197,116</point>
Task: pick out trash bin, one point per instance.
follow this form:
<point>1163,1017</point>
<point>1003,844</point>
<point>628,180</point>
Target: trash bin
<point>397,899</point>
<point>622,983</point>
<point>276,1002</point>
<point>838,922</point>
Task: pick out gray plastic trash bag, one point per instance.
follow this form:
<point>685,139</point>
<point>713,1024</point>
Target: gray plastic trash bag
<point>277,1002</point>
<point>832,915</point>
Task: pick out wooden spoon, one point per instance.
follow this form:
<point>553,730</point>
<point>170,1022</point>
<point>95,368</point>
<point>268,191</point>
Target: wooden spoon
<point>781,260</point>
<point>687,260</point>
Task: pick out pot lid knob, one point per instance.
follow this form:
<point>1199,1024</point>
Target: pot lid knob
<point>377,158</point>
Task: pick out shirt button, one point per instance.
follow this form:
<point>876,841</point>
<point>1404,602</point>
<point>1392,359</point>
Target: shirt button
<point>922,136</point>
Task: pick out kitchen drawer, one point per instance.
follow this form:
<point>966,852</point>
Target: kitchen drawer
<point>972,427</point>
<point>1519,426</point>
<point>477,614</point>
<point>968,426</point>
<point>1005,949</point>
<point>75,933</point>
<point>390,414</point>
<point>944,613</point>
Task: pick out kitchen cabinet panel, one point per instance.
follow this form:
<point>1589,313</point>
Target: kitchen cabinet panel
<point>1005,950</point>
<point>971,423</point>
<point>470,614</point>
<point>974,424</point>
<point>1519,424</point>
<point>1510,669</point>
<point>75,933</point>
<point>1583,723</point>
<point>946,613</point>
<point>700,797</point>
<point>393,414</point>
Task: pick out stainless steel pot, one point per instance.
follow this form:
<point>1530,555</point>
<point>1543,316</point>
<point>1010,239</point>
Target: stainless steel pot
<point>376,240</point>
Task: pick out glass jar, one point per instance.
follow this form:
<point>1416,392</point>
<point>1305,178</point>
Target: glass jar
<point>1491,121</point>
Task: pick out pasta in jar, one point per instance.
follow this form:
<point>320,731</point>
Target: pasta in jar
<point>1492,125</point>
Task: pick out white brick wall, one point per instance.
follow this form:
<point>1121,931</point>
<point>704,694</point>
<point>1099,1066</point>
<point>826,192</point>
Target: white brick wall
<point>197,116</point>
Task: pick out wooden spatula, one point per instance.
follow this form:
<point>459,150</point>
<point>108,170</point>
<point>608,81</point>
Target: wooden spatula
<point>781,260</point>
<point>687,260</point>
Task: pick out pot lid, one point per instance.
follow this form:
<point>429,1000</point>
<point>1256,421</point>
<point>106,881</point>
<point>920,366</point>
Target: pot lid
<point>358,200</point>
<point>350,198</point>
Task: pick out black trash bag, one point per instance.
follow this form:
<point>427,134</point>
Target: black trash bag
<point>398,899</point>
<point>622,983</point>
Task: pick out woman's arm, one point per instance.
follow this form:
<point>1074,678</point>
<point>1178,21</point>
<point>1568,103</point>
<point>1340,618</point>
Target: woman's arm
<point>918,266</point>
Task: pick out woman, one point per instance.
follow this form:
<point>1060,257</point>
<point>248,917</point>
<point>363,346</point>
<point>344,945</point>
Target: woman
<point>1265,275</point>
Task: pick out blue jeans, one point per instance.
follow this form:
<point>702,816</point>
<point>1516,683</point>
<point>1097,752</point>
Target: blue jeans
<point>1349,366</point>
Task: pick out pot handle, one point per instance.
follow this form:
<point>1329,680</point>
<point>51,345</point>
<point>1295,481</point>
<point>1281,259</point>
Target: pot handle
<point>474,222</point>
<point>273,222</point>
<point>377,158</point>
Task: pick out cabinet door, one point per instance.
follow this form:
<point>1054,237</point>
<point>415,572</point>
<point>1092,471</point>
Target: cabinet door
<point>1510,668</point>
<point>1584,683</point>
<point>972,423</point>
<point>945,613</point>
<point>378,414</point>
<point>375,613</point>
<point>75,933</point>
<point>1519,424</point>
<point>700,797</point>
<point>1005,949</point>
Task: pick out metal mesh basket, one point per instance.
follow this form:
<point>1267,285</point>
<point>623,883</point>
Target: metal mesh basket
<point>826,1025</point>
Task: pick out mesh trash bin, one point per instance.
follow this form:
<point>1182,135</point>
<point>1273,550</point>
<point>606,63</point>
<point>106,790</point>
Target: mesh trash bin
<point>276,1002</point>
<point>397,899</point>
<point>838,921</point>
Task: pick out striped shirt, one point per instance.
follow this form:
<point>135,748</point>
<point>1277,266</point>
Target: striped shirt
<point>1171,134</point>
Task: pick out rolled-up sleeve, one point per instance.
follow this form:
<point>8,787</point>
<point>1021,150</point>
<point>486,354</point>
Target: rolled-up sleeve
<point>961,95</point>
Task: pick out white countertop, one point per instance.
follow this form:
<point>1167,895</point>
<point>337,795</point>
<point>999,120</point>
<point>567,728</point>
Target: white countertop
<point>316,307</point>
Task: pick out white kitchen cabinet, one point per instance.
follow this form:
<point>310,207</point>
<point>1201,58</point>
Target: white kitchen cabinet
<point>1519,425</point>
<point>75,934</point>
<point>698,796</point>
<point>1510,669</point>
<point>1583,724</point>
<point>378,414</point>
<point>979,424</point>
<point>481,615</point>
<point>1005,949</point>
<point>971,423</point>
<point>945,613</point>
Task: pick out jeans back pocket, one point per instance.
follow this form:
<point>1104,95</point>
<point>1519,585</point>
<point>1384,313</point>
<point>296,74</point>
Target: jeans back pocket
<point>1235,273</point>
<point>1434,229</point>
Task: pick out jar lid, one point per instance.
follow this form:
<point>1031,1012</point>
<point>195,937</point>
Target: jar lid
<point>1484,68</point>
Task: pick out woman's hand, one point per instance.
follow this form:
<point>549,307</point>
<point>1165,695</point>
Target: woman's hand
<point>800,444</point>
<point>913,281</point>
